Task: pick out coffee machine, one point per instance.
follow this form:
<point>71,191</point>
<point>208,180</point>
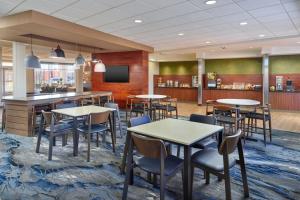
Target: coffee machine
<point>279,83</point>
<point>289,85</point>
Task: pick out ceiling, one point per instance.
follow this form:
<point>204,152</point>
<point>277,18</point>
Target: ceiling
<point>163,20</point>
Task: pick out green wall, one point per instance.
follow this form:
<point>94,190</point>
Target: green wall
<point>178,68</point>
<point>285,64</point>
<point>234,66</point>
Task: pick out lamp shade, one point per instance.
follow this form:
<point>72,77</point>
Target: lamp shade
<point>32,61</point>
<point>99,67</point>
<point>79,60</point>
<point>59,52</point>
<point>94,59</point>
<point>52,54</point>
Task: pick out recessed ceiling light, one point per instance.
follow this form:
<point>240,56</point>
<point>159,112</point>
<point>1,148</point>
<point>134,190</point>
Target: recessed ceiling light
<point>138,21</point>
<point>211,2</point>
<point>298,42</point>
<point>250,47</point>
<point>207,42</point>
<point>180,34</point>
<point>243,23</point>
<point>261,35</point>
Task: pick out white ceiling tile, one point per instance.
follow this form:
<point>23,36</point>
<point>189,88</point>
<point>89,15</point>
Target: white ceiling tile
<point>276,17</point>
<point>224,10</point>
<point>271,10</point>
<point>291,5</point>
<point>162,3</point>
<point>255,4</point>
<point>202,5</point>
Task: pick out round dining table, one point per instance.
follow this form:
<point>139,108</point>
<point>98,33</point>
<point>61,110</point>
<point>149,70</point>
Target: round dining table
<point>151,97</point>
<point>239,102</point>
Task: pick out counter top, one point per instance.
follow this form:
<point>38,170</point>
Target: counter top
<point>54,96</point>
<point>296,91</point>
<point>179,87</point>
<point>259,90</point>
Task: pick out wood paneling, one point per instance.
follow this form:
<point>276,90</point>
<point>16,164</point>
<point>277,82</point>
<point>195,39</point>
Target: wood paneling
<point>182,94</point>
<point>138,74</point>
<point>285,100</point>
<point>231,94</point>
<point>294,77</point>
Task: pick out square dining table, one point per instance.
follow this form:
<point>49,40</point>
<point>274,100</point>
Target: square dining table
<point>76,112</point>
<point>182,132</point>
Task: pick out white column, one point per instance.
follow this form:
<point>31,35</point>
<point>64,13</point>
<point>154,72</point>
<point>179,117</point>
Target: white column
<point>79,79</point>
<point>153,69</point>
<point>265,73</point>
<point>201,71</point>
<point>19,70</point>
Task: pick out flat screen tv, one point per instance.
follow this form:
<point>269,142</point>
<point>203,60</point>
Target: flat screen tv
<point>117,74</point>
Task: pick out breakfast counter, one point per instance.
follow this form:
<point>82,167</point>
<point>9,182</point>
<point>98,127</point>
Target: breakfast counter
<point>284,100</point>
<point>19,110</point>
<point>181,93</point>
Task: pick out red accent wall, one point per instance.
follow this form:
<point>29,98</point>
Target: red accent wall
<point>138,74</point>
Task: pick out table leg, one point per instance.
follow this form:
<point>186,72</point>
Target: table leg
<point>75,137</point>
<point>187,190</point>
<point>114,126</point>
<point>150,109</point>
<point>125,153</point>
<point>243,168</point>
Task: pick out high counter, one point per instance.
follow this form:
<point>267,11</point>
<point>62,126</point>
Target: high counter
<point>19,111</point>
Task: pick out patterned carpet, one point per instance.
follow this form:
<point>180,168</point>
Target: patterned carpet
<point>273,172</point>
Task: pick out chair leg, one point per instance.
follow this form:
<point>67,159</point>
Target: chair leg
<point>270,130</point>
<point>192,177</point>
<point>97,142</point>
<point>206,177</point>
<point>128,173</point>
<point>162,186</point>
<point>264,130</point>
<point>178,150</point>
<point>51,138</point>
<point>227,176</point>
<point>176,113</point>
<point>89,146</point>
<point>122,168</point>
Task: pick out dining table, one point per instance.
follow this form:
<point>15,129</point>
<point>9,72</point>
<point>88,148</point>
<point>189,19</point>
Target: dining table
<point>79,112</point>
<point>181,132</point>
<point>151,97</point>
<point>239,102</point>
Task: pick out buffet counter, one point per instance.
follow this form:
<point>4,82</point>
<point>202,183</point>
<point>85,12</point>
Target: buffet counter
<point>19,110</point>
<point>181,93</point>
<point>212,94</point>
<point>284,100</point>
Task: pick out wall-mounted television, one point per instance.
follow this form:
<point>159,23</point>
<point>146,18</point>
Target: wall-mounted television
<point>117,74</point>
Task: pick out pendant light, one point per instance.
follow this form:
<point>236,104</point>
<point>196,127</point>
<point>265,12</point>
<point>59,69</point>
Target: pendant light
<point>99,67</point>
<point>52,54</point>
<point>94,59</point>
<point>32,61</point>
<point>59,52</point>
<point>79,60</point>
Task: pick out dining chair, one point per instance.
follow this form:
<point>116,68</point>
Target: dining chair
<point>170,106</point>
<point>263,113</point>
<point>138,107</point>
<point>218,162</point>
<point>207,142</point>
<point>154,160</point>
<point>117,114</point>
<point>209,110</point>
<point>53,128</point>
<point>133,122</point>
<point>97,123</point>
<point>128,104</point>
<point>37,113</point>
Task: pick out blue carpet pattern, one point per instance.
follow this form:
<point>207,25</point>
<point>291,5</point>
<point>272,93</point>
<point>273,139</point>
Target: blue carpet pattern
<point>273,172</point>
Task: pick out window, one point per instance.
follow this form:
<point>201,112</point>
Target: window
<point>8,81</point>
<point>52,73</point>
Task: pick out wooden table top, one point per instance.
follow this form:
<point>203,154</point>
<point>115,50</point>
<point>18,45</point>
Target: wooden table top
<point>178,131</point>
<point>82,111</point>
<point>151,96</point>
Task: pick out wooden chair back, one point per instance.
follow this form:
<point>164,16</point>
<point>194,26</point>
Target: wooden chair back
<point>203,119</point>
<point>210,105</point>
<point>47,117</point>
<point>229,143</point>
<point>222,110</point>
<point>148,147</point>
<point>139,120</point>
<point>114,106</point>
<point>99,118</point>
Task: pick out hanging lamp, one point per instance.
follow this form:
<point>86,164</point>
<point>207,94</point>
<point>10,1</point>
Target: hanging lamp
<point>99,67</point>
<point>59,52</point>
<point>94,59</point>
<point>79,60</point>
<point>32,61</point>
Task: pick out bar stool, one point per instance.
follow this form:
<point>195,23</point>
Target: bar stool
<point>265,116</point>
<point>170,106</point>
